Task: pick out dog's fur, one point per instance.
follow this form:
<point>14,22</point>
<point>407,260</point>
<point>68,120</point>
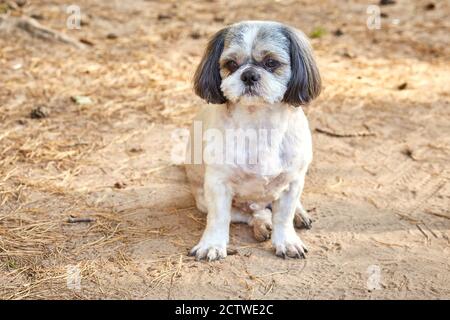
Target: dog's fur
<point>265,194</point>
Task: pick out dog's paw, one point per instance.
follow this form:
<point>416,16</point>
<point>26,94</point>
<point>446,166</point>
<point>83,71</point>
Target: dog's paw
<point>302,221</point>
<point>302,218</point>
<point>289,244</point>
<point>208,251</point>
<point>262,229</point>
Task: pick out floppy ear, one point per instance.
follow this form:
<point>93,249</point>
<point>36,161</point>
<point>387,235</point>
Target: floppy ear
<point>305,82</point>
<point>207,77</point>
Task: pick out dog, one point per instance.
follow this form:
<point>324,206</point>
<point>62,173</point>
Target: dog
<point>257,74</point>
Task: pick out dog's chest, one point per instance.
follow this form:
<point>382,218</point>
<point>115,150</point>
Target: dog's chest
<point>266,167</point>
<point>258,176</point>
<point>251,188</point>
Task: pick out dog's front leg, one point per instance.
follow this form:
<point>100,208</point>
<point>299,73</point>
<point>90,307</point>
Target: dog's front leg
<point>218,196</point>
<point>284,238</point>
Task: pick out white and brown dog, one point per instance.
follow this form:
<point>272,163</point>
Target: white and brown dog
<point>249,161</point>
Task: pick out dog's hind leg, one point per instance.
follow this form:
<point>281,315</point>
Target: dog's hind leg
<point>260,221</point>
<point>302,218</point>
<point>262,224</point>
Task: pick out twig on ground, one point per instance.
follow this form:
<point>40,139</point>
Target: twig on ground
<point>79,220</point>
<point>35,29</point>
<point>437,214</point>
<point>345,134</point>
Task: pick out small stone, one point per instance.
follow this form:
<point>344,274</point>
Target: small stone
<point>39,113</point>
<point>348,55</point>
<point>17,66</point>
<point>219,19</point>
<point>402,86</point>
<point>430,6</point>
<point>387,2</point>
<point>338,32</point>
<point>163,16</point>
<point>196,35</point>
<point>120,185</point>
<point>86,41</point>
<point>112,36</point>
<point>136,150</point>
<point>409,153</point>
<point>81,100</point>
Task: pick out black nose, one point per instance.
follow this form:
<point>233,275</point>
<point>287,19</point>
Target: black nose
<point>250,77</point>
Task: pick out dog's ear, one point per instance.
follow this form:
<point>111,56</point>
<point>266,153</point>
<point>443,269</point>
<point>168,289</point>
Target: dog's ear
<point>305,82</point>
<point>207,77</point>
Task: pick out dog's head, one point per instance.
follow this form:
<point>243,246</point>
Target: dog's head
<point>258,61</point>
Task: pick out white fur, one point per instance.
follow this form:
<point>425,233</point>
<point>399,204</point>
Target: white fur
<point>270,88</point>
<point>215,185</point>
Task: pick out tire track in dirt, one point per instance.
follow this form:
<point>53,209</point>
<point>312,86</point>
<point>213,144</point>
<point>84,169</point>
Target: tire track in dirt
<point>406,187</point>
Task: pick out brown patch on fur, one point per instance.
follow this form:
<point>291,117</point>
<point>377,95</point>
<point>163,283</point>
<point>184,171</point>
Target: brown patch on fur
<point>261,230</point>
<point>251,109</point>
<point>280,179</point>
<point>242,206</point>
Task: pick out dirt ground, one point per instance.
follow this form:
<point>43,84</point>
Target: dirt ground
<point>378,189</point>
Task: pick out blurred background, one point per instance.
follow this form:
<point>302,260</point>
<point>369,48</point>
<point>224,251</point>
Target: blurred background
<point>92,94</point>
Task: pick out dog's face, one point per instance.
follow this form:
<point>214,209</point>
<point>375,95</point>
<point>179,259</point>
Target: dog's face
<point>256,61</point>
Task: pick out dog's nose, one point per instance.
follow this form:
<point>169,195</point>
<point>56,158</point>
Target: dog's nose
<point>250,77</point>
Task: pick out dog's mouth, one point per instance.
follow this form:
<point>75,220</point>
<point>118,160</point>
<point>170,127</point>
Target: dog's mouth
<point>250,91</point>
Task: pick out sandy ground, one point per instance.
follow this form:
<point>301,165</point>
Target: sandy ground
<point>378,189</point>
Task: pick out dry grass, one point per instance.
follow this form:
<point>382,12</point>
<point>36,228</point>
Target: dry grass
<point>68,163</point>
<point>40,159</point>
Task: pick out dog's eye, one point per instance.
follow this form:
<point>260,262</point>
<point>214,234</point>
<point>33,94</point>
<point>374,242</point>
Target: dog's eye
<point>271,63</point>
<point>232,66</point>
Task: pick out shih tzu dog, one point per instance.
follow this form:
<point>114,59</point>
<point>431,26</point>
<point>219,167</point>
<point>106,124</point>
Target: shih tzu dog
<point>248,154</point>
